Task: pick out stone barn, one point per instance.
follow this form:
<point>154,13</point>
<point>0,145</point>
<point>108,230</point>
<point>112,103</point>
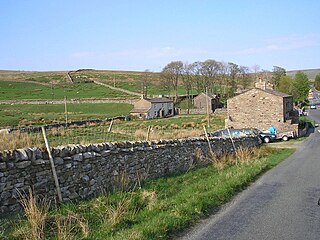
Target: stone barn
<point>261,109</point>
<point>148,108</point>
<point>201,101</point>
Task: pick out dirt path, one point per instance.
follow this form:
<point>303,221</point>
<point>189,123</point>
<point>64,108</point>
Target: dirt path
<point>117,89</point>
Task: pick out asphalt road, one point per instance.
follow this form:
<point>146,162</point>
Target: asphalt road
<point>282,204</point>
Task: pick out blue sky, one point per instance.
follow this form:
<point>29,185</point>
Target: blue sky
<point>148,34</point>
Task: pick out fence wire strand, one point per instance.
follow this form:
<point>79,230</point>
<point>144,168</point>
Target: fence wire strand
<point>97,133</point>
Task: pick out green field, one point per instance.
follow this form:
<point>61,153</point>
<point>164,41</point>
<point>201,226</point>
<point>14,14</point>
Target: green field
<point>38,114</point>
<point>20,91</point>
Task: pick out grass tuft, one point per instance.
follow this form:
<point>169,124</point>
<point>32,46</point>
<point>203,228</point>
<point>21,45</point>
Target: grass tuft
<point>36,212</point>
<point>69,227</point>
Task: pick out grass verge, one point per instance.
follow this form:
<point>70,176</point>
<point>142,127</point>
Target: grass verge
<point>162,207</point>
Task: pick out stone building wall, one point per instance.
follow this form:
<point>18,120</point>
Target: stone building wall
<point>201,101</point>
<point>86,170</point>
<point>260,109</point>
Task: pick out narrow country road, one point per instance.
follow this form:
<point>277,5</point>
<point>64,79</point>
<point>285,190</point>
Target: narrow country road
<point>282,204</point>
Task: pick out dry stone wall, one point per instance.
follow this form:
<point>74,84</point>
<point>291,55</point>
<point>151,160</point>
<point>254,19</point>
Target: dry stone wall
<point>86,170</point>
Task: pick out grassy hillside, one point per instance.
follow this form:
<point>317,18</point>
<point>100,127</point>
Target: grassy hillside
<point>27,90</point>
<point>56,85</point>
<point>29,114</point>
<point>311,73</point>
<point>36,77</point>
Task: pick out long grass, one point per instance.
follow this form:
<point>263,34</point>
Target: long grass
<point>71,226</point>
<point>36,212</point>
<point>160,208</point>
<point>169,128</point>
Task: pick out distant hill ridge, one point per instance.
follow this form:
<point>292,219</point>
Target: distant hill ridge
<point>311,73</point>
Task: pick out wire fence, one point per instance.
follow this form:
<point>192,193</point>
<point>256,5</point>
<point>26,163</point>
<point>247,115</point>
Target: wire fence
<point>98,133</point>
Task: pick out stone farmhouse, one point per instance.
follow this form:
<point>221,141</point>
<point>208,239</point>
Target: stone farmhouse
<point>201,101</point>
<point>148,108</point>
<point>261,109</point>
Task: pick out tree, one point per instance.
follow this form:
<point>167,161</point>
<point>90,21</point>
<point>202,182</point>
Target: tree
<point>256,70</point>
<point>209,71</point>
<point>285,84</point>
<point>317,82</point>
<point>233,73</point>
<point>171,74</point>
<point>196,72</point>
<point>145,82</point>
<point>187,78</point>
<point>300,87</point>
<point>244,79</point>
<point>277,73</point>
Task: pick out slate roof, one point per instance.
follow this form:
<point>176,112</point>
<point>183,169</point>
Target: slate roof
<point>280,94</point>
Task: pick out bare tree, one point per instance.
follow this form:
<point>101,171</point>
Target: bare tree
<point>256,70</point>
<point>198,80</point>
<point>233,70</point>
<point>245,78</point>
<point>171,74</point>
<point>145,82</point>
<point>187,80</point>
<point>209,71</point>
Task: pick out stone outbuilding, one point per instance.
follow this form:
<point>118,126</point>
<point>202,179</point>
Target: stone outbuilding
<point>148,108</point>
<point>201,101</point>
<point>262,108</point>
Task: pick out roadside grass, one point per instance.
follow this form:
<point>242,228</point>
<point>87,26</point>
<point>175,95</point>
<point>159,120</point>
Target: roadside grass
<point>26,90</point>
<point>39,114</point>
<point>157,209</point>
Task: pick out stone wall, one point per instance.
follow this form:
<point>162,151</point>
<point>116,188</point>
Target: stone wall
<point>58,125</point>
<point>86,170</point>
<point>218,111</point>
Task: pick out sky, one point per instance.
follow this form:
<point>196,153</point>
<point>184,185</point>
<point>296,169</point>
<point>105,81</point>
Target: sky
<point>137,35</point>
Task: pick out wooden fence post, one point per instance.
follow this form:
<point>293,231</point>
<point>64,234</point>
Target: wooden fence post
<point>66,110</point>
<point>110,126</point>
<point>208,140</point>
<point>234,147</point>
<point>148,133</point>
<point>54,173</point>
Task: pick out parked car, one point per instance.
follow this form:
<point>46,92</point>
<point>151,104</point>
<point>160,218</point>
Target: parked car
<point>284,136</point>
<point>264,136</point>
<point>313,106</point>
<point>267,136</point>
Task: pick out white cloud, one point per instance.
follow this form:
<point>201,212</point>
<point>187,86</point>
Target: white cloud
<point>282,44</point>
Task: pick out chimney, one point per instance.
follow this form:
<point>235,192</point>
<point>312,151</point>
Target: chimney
<point>261,84</point>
